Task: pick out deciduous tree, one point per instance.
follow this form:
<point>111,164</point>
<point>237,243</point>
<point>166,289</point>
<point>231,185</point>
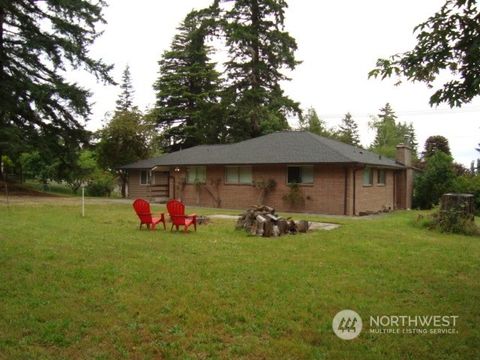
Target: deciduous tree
<point>446,43</point>
<point>434,144</point>
<point>123,140</point>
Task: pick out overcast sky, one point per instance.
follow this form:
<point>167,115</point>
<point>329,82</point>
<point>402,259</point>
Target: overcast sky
<point>338,43</point>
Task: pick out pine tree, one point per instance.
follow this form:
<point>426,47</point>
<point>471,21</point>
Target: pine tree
<point>412,140</point>
<point>125,99</point>
<point>189,110</point>
<point>389,133</point>
<point>348,131</point>
<point>311,122</point>
<point>385,126</point>
<point>259,49</point>
<point>39,41</point>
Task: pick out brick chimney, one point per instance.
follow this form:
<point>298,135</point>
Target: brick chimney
<point>404,183</point>
<point>404,155</point>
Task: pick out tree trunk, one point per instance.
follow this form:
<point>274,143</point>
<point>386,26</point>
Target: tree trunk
<point>254,117</point>
<point>463,205</point>
<point>123,185</point>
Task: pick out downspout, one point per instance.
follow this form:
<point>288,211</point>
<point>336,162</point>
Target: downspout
<point>354,190</point>
<point>345,193</point>
<point>394,189</point>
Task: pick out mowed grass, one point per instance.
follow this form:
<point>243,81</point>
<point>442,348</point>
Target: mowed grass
<point>98,288</point>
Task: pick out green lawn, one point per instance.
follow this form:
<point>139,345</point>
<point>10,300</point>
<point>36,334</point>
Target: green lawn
<point>97,287</point>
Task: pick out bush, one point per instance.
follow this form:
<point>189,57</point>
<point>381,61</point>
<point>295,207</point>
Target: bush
<point>449,221</point>
<point>469,184</point>
<point>101,184</point>
<point>437,179</point>
<point>295,197</point>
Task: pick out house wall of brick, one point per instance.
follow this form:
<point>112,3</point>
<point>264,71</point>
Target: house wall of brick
<point>325,196</point>
<point>374,197</point>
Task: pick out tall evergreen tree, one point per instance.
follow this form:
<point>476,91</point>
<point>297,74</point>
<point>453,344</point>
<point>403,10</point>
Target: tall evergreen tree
<point>389,133</point>
<point>39,41</point>
<point>125,100</point>
<point>188,108</point>
<point>348,131</point>
<point>259,49</point>
<point>311,122</point>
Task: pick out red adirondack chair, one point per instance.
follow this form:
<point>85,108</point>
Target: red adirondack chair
<point>142,208</point>
<point>176,210</point>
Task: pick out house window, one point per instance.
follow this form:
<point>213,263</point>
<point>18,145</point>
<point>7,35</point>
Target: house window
<point>145,177</point>
<point>196,175</point>
<point>300,175</point>
<point>380,177</point>
<point>367,177</point>
<point>238,175</point>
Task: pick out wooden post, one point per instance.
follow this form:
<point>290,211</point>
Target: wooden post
<point>83,200</point>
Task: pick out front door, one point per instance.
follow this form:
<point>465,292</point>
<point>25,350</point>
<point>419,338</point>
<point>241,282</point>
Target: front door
<point>160,185</point>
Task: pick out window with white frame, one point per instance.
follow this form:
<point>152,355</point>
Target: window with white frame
<point>367,176</point>
<point>300,174</point>
<point>238,175</point>
<point>145,177</point>
<point>196,175</point>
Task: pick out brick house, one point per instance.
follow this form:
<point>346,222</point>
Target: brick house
<point>306,173</point>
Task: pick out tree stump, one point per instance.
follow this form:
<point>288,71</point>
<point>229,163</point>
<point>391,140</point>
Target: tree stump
<point>462,205</point>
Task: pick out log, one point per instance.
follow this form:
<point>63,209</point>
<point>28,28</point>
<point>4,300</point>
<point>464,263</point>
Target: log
<point>282,226</point>
<point>261,220</point>
<point>302,226</point>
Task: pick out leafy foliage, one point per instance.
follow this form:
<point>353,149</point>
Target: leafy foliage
<point>446,42</point>
<point>37,166</point>
<point>436,143</point>
<point>437,178</point>
<point>123,140</point>
<point>295,196</point>
<point>82,170</point>
<point>450,221</point>
<point>468,184</point>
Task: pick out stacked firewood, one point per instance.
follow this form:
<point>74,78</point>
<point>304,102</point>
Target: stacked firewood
<point>262,221</point>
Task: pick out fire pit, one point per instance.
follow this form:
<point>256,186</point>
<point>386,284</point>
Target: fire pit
<point>263,221</point>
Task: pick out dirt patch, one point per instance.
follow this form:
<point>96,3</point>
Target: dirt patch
<point>20,190</point>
